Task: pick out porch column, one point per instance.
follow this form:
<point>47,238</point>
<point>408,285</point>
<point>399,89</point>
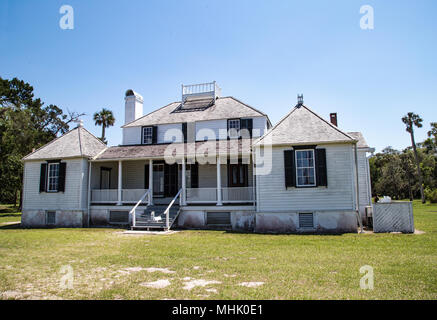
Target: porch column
<point>184,184</point>
<point>219,183</point>
<point>151,181</point>
<point>120,181</point>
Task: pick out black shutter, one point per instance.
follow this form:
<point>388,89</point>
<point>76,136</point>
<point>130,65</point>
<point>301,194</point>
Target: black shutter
<point>228,129</point>
<point>248,125</point>
<point>61,181</point>
<point>321,173</point>
<point>43,178</point>
<point>195,175</point>
<point>154,134</point>
<point>184,131</point>
<point>289,168</point>
<point>146,176</point>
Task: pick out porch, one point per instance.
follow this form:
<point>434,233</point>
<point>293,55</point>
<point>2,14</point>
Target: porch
<point>124,182</point>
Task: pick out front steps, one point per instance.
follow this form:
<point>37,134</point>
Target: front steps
<point>144,218</point>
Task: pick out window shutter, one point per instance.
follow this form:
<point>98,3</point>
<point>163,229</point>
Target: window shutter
<point>322,178</point>
<point>228,129</point>
<point>43,178</point>
<point>290,168</point>
<point>61,181</point>
<point>146,176</point>
<point>154,134</point>
<point>184,131</point>
<point>248,125</point>
<point>195,175</point>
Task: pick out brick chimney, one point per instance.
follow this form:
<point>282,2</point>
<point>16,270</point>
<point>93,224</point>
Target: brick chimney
<point>333,117</point>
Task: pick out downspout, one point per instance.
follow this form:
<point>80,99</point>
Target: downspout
<point>357,195</point>
<point>89,193</point>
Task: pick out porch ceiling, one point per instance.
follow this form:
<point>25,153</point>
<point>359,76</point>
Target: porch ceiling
<point>200,148</point>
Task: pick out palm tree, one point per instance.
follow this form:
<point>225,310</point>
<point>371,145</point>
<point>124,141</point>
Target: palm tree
<point>411,120</point>
<point>104,118</point>
<point>433,132</point>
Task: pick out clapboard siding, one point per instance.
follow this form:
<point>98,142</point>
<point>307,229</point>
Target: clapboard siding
<point>273,196</point>
<point>70,199</point>
<point>217,129</point>
<point>95,174</point>
<point>133,174</point>
<point>131,135</point>
<point>168,133</point>
<point>212,129</point>
<point>364,180</point>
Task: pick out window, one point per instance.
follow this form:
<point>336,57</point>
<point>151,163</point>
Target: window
<point>53,177</point>
<point>238,175</point>
<point>234,128</point>
<point>305,168</point>
<point>147,135</point>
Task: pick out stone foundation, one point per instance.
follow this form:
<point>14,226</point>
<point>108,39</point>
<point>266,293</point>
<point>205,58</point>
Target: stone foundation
<point>63,219</point>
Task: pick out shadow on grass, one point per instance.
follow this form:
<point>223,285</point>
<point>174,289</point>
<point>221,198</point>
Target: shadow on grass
<point>12,225</point>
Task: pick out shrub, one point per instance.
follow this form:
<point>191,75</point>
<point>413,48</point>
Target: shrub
<point>431,195</point>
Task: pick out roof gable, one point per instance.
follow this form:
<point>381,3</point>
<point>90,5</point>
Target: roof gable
<point>223,108</point>
<point>78,142</point>
<point>303,126</point>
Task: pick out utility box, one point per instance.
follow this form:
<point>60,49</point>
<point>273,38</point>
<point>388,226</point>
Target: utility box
<point>393,217</point>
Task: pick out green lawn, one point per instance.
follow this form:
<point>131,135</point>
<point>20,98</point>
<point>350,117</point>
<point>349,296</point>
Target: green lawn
<point>290,266</point>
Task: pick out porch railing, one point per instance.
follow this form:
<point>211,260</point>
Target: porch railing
<point>229,195</point>
<point>237,194</point>
<point>201,195</point>
<point>111,195</point>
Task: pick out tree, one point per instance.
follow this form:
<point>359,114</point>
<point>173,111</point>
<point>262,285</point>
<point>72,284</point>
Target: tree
<point>411,120</point>
<point>104,118</point>
<point>25,124</point>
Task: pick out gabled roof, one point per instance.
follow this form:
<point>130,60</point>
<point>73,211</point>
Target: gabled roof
<point>303,126</point>
<point>223,108</point>
<point>78,142</point>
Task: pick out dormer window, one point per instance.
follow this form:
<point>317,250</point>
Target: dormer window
<point>147,135</point>
<point>234,128</point>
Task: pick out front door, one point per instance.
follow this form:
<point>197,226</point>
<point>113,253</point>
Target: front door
<point>170,180</point>
<point>158,180</point>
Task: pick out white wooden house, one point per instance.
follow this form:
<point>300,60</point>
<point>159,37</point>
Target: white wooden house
<point>206,161</point>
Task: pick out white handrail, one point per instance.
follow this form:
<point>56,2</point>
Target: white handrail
<point>167,211</point>
<point>132,212</point>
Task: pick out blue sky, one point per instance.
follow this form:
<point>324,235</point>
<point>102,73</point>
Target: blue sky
<point>262,52</point>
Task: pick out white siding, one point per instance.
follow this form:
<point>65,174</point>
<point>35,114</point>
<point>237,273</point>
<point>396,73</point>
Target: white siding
<point>33,199</point>
<point>339,195</point>
<point>217,129</point>
<point>261,124</point>
<point>95,174</point>
<point>364,180</point>
<point>134,175</point>
<point>173,131</point>
<point>131,135</point>
<point>212,129</point>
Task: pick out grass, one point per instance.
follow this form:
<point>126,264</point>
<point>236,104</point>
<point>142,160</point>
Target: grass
<point>9,213</point>
<point>291,266</point>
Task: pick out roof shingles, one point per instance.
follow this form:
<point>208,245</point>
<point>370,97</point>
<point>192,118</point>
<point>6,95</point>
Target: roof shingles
<point>78,142</point>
